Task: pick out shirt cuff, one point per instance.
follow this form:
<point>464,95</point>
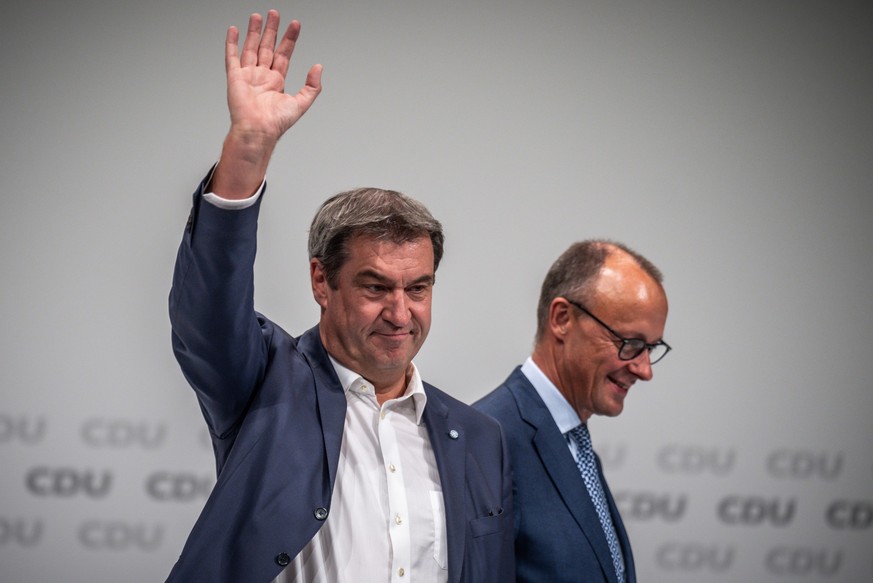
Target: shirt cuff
<point>231,205</point>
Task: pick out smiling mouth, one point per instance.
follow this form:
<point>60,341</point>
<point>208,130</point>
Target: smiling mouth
<point>622,386</point>
<point>393,332</point>
<point>394,336</point>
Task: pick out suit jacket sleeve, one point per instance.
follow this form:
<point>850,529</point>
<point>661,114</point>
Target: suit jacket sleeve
<point>216,336</point>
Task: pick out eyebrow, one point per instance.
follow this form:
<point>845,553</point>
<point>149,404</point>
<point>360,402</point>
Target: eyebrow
<point>370,274</point>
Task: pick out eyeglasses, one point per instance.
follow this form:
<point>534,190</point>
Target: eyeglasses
<point>630,348</point>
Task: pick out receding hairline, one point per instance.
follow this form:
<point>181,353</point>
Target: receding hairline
<point>622,251</point>
<point>576,272</point>
<point>620,277</point>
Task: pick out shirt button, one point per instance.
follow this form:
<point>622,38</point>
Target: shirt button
<point>392,468</point>
<point>398,520</point>
<point>401,572</point>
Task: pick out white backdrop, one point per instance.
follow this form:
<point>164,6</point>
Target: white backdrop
<point>730,142</point>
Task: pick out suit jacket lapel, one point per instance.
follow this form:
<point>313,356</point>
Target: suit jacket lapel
<point>555,455</point>
<point>450,453</point>
<point>330,396</point>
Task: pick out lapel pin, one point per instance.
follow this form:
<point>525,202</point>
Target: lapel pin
<point>453,434</point>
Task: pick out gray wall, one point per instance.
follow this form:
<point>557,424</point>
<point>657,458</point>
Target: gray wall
<point>729,141</point>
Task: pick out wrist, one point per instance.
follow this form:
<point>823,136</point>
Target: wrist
<point>243,164</point>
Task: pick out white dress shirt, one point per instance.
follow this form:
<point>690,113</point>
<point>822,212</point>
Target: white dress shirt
<point>387,517</point>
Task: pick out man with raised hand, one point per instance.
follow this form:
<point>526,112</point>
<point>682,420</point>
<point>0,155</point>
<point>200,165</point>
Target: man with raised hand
<point>335,461</point>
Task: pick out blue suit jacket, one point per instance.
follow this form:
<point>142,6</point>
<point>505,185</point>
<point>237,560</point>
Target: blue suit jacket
<point>275,410</point>
<point>558,537</point>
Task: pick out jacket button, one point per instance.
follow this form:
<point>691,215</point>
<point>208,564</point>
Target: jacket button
<point>283,559</point>
<point>320,513</point>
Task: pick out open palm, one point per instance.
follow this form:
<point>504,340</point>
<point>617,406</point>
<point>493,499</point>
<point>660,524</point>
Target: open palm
<point>259,106</point>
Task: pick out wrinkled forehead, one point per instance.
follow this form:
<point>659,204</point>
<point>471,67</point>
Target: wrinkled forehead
<point>370,252</point>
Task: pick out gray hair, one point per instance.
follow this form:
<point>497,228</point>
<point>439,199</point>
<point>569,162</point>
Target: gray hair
<point>382,214</point>
<point>574,273</point>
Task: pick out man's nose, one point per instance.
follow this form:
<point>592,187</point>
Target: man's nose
<point>396,309</point>
<point>641,366</point>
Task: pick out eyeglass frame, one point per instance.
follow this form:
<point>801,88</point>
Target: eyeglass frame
<point>626,341</point>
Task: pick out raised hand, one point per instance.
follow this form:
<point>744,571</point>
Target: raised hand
<point>260,110</point>
<point>256,80</point>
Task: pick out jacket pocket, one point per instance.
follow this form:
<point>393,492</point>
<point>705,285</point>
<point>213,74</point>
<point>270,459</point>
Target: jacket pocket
<point>496,522</point>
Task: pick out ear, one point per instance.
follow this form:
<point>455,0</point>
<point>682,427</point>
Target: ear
<point>319,282</point>
<point>559,318</point>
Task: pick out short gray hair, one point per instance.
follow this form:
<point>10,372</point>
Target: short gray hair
<point>382,214</point>
<point>574,273</point>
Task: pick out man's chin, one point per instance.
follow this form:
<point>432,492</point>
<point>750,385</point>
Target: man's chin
<point>613,408</point>
<point>389,362</point>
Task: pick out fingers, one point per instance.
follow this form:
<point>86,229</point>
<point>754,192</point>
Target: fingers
<point>250,45</point>
<point>258,49</point>
<point>231,49</point>
<point>307,94</point>
<point>282,58</point>
<point>268,40</point>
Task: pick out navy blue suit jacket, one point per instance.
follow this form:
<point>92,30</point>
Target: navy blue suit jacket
<point>275,410</point>
<point>558,537</point>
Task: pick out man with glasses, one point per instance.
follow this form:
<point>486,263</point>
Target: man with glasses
<point>600,323</point>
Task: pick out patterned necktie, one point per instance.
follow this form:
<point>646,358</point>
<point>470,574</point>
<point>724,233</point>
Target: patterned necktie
<point>588,468</point>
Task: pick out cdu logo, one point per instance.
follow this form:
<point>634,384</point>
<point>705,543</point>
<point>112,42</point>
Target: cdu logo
<point>800,465</point>
<point>850,515</point>
<point>694,557</point>
<point>120,536</point>
<point>803,562</point>
<point>120,433</point>
<point>645,506</point>
<point>167,487</point>
<point>692,459</point>
<point>67,482</point>
<point>754,511</point>
<point>20,532</point>
<point>28,430</point>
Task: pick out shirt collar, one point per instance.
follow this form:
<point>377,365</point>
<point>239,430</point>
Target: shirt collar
<point>562,412</point>
<point>414,388</point>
